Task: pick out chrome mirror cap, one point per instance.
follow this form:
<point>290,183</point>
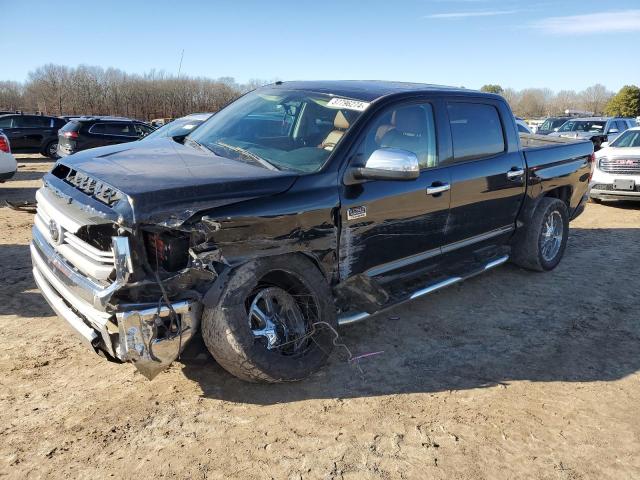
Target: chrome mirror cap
<point>393,160</point>
<point>386,164</point>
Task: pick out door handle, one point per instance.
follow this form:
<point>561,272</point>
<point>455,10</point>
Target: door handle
<point>438,187</point>
<point>515,173</point>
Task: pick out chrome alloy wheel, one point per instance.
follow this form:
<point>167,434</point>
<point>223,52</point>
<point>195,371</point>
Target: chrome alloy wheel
<point>551,238</point>
<point>275,316</point>
<point>53,149</point>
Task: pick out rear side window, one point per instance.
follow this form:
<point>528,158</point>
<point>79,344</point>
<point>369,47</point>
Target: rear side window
<point>119,128</point>
<point>476,131</point>
<point>26,121</point>
<point>70,127</point>
<point>5,122</point>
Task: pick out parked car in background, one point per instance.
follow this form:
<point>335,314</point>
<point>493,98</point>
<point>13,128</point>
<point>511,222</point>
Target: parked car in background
<point>522,126</point>
<point>90,132</point>
<point>8,165</point>
<point>270,232</point>
<point>551,125</point>
<point>159,122</point>
<point>596,129</point>
<point>180,127</point>
<point>617,170</point>
<point>32,133</point>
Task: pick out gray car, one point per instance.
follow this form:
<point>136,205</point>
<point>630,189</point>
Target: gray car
<point>596,129</point>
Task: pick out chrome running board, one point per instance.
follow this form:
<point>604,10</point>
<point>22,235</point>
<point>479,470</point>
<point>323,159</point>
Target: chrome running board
<point>351,317</point>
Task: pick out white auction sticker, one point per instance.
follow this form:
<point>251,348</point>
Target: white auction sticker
<point>348,104</point>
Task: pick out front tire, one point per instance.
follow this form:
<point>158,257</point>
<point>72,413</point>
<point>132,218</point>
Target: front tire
<point>274,322</point>
<point>543,243</point>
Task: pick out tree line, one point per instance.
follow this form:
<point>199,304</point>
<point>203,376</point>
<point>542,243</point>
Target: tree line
<point>541,102</point>
<point>88,90</point>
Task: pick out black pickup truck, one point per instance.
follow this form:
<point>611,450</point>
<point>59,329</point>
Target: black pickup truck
<point>300,207</point>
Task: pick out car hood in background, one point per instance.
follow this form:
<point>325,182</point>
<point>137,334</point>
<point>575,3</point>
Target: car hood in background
<point>166,182</point>
<point>575,134</point>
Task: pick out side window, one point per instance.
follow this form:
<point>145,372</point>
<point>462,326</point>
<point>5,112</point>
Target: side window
<point>5,122</point>
<point>142,130</point>
<point>408,127</point>
<point>476,131</point>
<point>122,128</point>
<point>521,129</point>
<point>98,128</point>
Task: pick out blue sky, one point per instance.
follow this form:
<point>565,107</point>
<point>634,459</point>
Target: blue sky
<point>557,44</point>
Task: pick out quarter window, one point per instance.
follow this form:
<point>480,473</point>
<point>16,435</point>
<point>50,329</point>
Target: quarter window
<point>407,127</point>
<point>476,131</point>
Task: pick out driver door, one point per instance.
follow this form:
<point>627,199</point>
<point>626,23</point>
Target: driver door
<point>388,225</point>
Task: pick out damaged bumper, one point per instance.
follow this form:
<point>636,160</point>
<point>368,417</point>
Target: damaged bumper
<point>150,338</point>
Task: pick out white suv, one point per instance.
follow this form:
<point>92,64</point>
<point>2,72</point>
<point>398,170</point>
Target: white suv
<point>8,165</point>
<point>617,170</point>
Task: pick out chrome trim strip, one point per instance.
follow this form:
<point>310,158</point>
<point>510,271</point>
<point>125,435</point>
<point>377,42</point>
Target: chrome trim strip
<point>418,257</point>
<point>478,238</point>
<point>403,262</point>
<point>61,309</point>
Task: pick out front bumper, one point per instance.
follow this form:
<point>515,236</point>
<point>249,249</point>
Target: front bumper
<point>137,334</point>
<point>601,186</point>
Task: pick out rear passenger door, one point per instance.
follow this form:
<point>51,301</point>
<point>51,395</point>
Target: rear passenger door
<point>487,173</point>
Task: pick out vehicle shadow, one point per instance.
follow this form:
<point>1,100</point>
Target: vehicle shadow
<point>623,204</point>
<point>18,292</point>
<point>575,324</point>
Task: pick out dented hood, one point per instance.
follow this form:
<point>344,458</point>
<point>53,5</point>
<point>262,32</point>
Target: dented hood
<point>166,182</point>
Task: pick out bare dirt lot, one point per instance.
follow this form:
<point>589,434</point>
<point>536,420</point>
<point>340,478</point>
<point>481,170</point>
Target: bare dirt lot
<point>509,375</point>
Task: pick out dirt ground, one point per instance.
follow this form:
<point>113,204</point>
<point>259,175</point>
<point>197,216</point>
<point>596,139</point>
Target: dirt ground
<point>509,375</point>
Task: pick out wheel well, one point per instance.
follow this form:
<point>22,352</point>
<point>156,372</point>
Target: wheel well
<point>561,193</point>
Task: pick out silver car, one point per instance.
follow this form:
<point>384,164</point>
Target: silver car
<point>596,129</point>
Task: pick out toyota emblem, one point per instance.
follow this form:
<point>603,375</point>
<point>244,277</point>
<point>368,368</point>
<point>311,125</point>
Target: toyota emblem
<point>54,231</point>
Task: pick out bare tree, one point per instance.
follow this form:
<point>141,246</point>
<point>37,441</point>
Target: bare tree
<point>595,98</point>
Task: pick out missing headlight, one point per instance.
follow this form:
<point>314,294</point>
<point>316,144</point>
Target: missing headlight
<point>167,250</point>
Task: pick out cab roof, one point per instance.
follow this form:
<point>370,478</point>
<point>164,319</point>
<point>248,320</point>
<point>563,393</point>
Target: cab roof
<point>370,90</point>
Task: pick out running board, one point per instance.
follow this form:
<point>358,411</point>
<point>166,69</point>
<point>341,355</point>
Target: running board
<point>351,317</point>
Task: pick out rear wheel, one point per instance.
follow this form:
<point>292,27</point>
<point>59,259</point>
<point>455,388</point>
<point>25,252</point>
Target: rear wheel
<point>274,322</point>
<point>51,150</point>
<point>543,243</point>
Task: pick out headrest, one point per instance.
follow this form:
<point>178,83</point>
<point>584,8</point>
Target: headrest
<point>410,120</point>
<point>340,122</point>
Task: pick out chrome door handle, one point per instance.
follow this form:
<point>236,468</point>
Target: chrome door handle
<point>515,173</point>
<point>435,189</point>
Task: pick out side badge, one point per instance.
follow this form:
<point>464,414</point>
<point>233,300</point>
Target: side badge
<point>356,212</point>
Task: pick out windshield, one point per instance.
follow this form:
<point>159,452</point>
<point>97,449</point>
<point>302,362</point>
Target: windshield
<point>583,126</point>
<point>279,129</point>
<point>629,139</point>
<point>180,126</point>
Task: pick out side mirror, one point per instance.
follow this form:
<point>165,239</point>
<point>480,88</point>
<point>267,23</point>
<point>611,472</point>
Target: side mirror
<point>604,144</point>
<point>179,138</point>
<point>613,131</point>
<point>388,164</point>
<point>556,129</point>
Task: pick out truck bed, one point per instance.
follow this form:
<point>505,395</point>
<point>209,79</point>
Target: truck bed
<point>541,150</point>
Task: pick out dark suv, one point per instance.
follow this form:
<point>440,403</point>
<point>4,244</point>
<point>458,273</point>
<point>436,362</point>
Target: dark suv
<point>88,132</point>
<point>32,133</point>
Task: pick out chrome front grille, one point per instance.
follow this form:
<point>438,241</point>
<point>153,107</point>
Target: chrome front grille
<point>622,166</point>
<point>58,231</point>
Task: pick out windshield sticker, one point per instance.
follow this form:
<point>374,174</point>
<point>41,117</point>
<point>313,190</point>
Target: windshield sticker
<point>348,104</point>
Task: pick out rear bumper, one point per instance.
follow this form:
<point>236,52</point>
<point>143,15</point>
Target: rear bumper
<point>132,334</point>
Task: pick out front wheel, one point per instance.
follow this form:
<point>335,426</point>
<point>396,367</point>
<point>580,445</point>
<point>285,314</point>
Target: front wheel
<point>274,322</point>
<point>543,243</point>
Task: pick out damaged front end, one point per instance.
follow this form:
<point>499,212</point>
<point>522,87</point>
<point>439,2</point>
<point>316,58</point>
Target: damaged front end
<point>88,270</point>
